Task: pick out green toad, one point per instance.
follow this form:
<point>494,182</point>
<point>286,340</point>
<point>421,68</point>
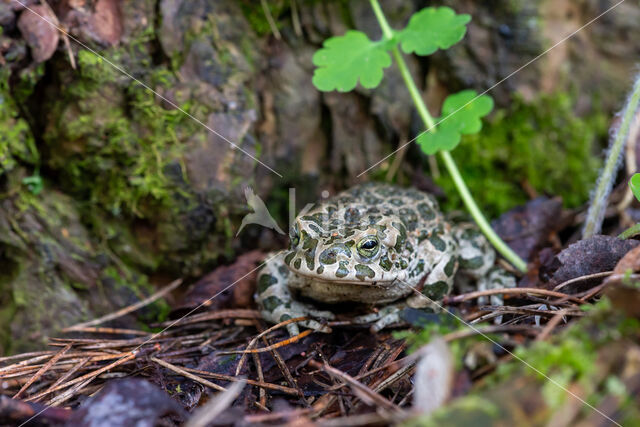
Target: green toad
<point>375,245</point>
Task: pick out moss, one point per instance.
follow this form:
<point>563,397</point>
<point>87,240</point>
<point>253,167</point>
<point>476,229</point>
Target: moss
<point>572,357</point>
<point>134,287</point>
<point>254,14</point>
<point>475,410</point>
<point>117,142</point>
<point>16,141</point>
<point>543,144</point>
<point>11,266</point>
<point>592,355</point>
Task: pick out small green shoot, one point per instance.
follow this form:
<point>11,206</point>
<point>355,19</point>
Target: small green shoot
<point>634,185</point>
<point>346,60</point>
<point>33,183</point>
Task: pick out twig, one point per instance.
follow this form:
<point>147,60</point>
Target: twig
<point>26,362</point>
<point>397,160</point>
<point>551,325</point>
<point>393,377</point>
<point>295,19</point>
<point>115,331</point>
<point>95,373</point>
<point>42,370</point>
<point>466,333</point>
<point>583,278</point>
<point>270,20</point>
<point>189,375</point>
<point>162,292</point>
<point>282,343</point>
<point>222,377</point>
<point>214,315</point>
<point>63,397</point>
<point>365,420</point>
<point>509,291</point>
<point>261,391</point>
<point>254,340</point>
<point>285,370</point>
<point>65,39</point>
<point>275,416</point>
<point>23,355</point>
<point>59,381</point>
<point>362,391</point>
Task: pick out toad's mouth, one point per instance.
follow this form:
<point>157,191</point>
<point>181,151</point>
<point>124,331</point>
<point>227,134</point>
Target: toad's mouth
<point>366,282</point>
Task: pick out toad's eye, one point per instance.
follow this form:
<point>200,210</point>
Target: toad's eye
<point>294,236</point>
<point>368,246</point>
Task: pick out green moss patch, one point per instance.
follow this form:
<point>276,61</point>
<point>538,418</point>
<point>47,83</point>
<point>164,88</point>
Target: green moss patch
<point>542,144</point>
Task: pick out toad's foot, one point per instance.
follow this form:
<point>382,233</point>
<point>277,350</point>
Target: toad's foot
<point>381,318</point>
<point>496,278</point>
<point>294,309</point>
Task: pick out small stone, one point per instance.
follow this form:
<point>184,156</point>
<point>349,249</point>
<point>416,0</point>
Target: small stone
<point>37,28</point>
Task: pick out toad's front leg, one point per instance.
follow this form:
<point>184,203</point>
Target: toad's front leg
<point>436,284</point>
<point>276,303</point>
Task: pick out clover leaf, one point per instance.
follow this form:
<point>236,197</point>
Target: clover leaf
<point>461,115</point>
<point>346,59</point>
<point>432,28</point>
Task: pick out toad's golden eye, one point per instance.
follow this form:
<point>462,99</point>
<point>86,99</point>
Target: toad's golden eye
<point>368,246</point>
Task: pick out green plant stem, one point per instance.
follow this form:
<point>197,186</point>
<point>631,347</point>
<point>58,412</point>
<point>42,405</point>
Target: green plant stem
<point>634,230</point>
<point>600,196</point>
<point>449,163</point>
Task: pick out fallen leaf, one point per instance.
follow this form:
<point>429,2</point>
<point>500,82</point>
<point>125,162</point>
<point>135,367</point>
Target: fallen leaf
<point>526,228</point>
<point>241,275</point>
<point>593,255</point>
<point>625,296</point>
<point>631,261</point>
